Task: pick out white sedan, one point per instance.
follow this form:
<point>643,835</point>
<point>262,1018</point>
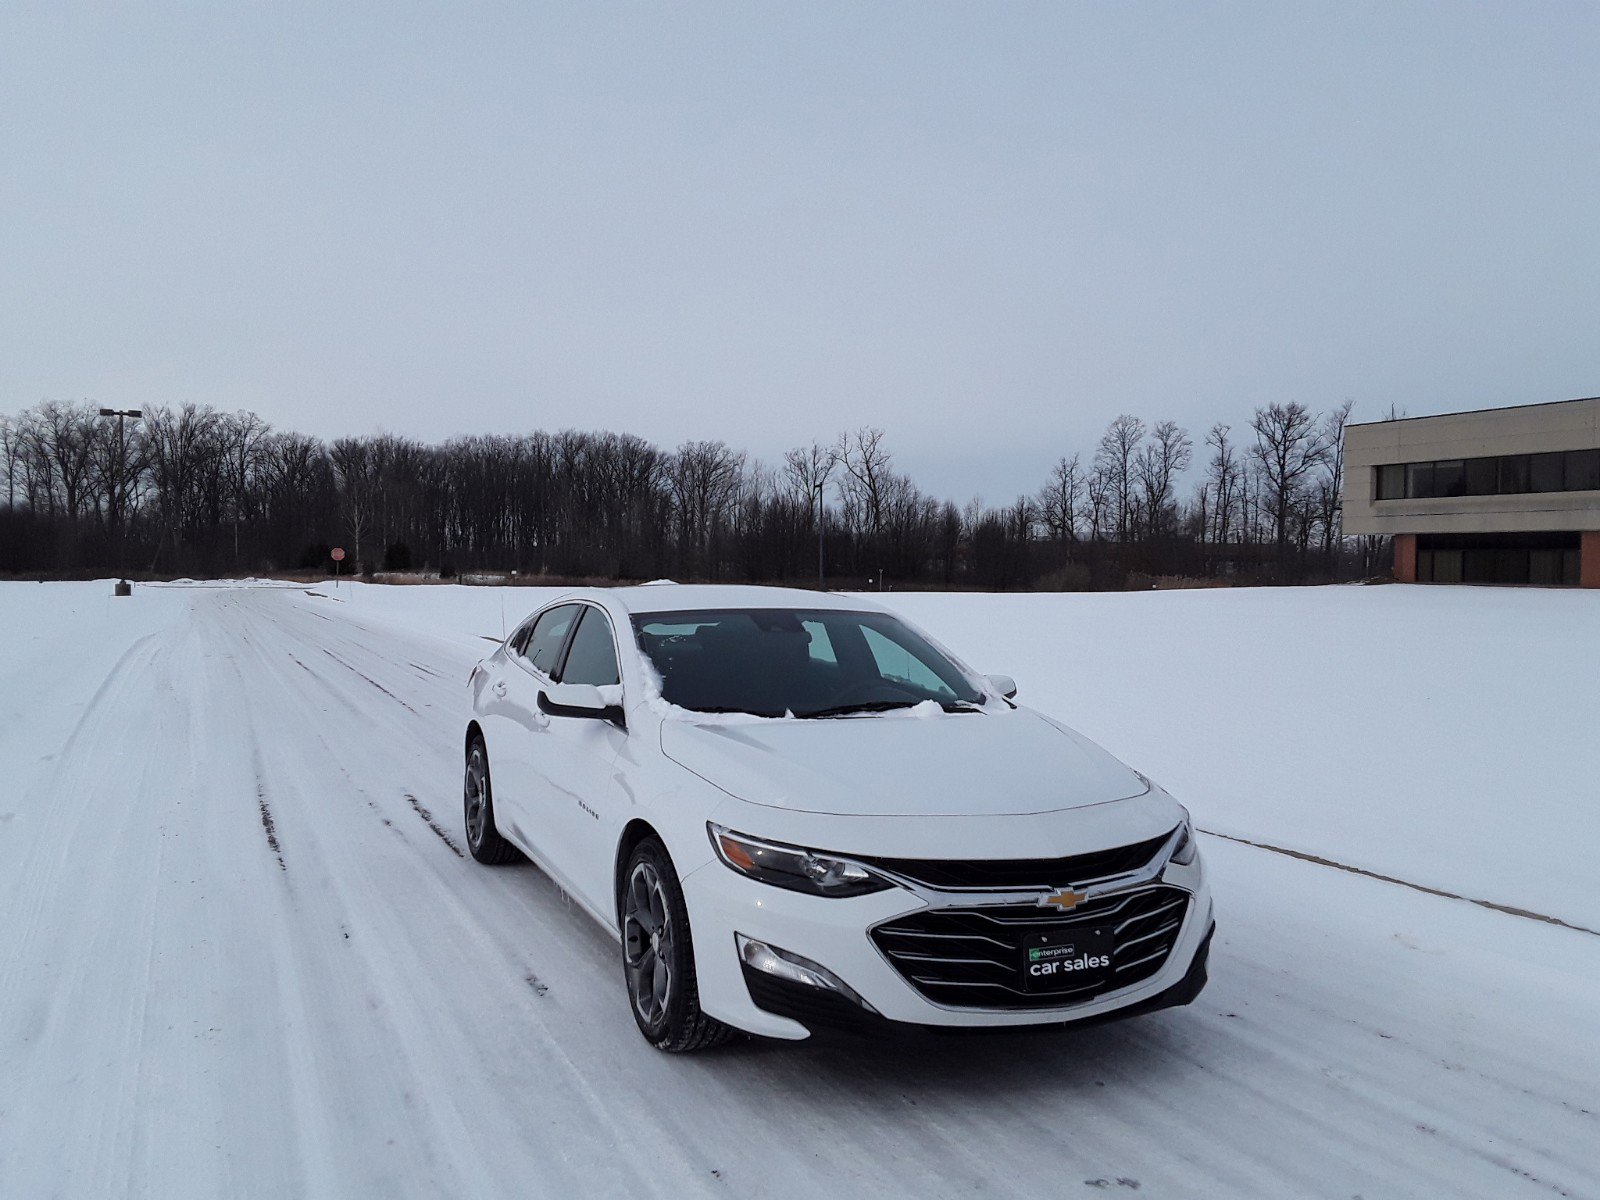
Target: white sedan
<point>799,814</point>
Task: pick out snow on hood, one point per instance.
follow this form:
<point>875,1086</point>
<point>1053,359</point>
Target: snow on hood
<point>956,764</point>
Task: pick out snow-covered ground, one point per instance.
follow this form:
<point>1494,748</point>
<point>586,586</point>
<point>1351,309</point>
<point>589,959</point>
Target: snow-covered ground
<point>241,954</point>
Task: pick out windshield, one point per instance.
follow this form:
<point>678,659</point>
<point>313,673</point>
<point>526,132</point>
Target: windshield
<point>808,663</point>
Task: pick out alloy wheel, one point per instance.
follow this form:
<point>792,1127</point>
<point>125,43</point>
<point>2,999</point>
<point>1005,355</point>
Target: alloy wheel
<point>648,944</point>
<point>477,797</point>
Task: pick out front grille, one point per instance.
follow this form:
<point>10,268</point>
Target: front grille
<point>972,957</point>
<point>998,874</point>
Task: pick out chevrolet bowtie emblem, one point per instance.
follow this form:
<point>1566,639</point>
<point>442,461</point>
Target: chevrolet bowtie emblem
<point>1066,899</point>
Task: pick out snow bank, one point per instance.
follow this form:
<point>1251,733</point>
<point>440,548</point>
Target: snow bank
<point>1444,735</point>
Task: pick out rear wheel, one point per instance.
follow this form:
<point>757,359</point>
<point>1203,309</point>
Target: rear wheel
<point>477,802</point>
<point>658,956</point>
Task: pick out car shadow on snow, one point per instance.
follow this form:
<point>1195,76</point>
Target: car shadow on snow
<point>972,1063</point>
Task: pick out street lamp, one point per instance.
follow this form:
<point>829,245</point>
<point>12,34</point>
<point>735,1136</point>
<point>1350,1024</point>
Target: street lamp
<point>123,588</point>
<point>821,483</point>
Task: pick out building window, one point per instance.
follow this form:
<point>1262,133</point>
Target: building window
<point>1483,476</point>
<point>1546,472</point>
<point>1450,478</point>
<point>1514,474</point>
<point>1419,480</point>
<point>1544,559</point>
<point>1502,475</point>
<point>1583,470</point>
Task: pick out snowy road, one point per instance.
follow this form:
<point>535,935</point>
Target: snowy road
<point>242,955</point>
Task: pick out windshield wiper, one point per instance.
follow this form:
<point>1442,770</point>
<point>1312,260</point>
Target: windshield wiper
<point>844,710</point>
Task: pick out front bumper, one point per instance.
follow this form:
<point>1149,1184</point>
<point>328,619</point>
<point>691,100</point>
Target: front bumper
<point>837,934</point>
<point>828,1013</point>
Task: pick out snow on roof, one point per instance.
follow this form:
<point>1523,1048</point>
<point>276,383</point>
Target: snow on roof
<point>680,597</point>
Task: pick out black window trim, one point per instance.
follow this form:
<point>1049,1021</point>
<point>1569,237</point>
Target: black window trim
<point>521,657</point>
<point>566,646</point>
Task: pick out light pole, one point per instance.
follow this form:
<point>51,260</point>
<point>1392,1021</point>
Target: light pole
<point>123,588</point>
<point>821,483</point>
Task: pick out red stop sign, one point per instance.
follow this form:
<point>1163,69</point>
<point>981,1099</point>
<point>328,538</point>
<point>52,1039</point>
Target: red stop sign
<point>337,554</point>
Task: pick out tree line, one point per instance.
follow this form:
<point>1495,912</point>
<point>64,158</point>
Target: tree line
<point>191,490</point>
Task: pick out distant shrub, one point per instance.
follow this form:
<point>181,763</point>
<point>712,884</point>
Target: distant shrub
<point>1074,577</point>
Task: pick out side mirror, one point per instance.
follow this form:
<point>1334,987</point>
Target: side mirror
<point>1003,684</point>
<point>581,700</point>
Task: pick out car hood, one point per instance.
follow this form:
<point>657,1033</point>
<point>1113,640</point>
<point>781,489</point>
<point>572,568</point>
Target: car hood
<point>952,764</point>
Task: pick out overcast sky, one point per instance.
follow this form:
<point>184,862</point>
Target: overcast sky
<point>988,228</point>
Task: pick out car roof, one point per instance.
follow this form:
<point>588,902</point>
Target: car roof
<point>684,597</point>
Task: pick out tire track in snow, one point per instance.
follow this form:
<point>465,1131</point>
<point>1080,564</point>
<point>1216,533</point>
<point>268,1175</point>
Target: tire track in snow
<point>371,680</point>
<point>427,817</point>
<point>284,629</point>
<point>269,825</point>
<point>583,1159</point>
<point>115,678</point>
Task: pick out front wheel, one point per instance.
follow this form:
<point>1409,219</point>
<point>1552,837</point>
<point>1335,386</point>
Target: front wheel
<point>477,803</point>
<point>658,956</point>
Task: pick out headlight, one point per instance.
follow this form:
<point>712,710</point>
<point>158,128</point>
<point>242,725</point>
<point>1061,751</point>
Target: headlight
<point>1183,853</point>
<point>792,867</point>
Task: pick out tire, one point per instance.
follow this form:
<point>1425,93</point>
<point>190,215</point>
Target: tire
<point>477,811</point>
<point>658,956</point>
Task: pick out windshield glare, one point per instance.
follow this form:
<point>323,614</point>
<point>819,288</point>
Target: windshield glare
<point>775,662</point>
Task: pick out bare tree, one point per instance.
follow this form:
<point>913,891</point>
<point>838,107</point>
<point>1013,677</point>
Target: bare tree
<point>10,458</point>
<point>1115,457</point>
<point>1329,488</point>
<point>120,460</point>
<point>180,441</point>
<point>806,469</point>
<point>866,464</point>
<point>355,466</point>
<point>241,434</point>
<point>1060,500</point>
<point>1157,465</point>
<point>705,479</point>
<point>1224,479</point>
<point>66,433</point>
<point>1289,446</point>
<point>1099,500</point>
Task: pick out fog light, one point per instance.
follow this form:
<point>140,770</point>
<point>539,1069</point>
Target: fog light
<point>781,964</point>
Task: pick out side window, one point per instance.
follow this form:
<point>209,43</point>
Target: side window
<point>518,642</point>
<point>549,632</point>
<point>593,658</point>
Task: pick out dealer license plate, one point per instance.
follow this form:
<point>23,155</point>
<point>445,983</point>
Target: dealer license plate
<point>1066,961</point>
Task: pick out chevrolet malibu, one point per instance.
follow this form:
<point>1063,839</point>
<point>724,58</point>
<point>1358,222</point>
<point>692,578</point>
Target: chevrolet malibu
<point>798,814</point>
